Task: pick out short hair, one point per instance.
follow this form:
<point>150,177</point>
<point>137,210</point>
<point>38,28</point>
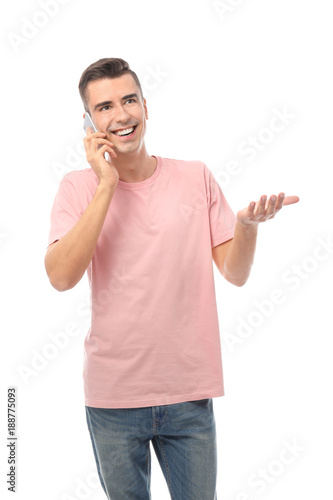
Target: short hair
<point>108,67</point>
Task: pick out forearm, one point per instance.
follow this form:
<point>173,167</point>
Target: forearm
<point>67,260</point>
<point>240,255</point>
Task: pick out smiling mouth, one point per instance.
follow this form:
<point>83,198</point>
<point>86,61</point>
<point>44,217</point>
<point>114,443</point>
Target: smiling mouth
<point>124,132</point>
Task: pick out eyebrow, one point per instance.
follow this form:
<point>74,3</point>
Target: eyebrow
<point>105,103</point>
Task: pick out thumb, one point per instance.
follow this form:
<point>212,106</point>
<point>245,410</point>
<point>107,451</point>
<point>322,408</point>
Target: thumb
<point>289,200</point>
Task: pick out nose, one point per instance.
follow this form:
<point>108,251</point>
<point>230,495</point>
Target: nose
<point>120,115</point>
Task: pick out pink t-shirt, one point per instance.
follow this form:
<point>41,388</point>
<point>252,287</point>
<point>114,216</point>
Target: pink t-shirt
<point>154,336</point>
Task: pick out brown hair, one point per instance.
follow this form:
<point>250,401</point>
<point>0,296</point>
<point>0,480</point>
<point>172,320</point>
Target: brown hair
<point>109,67</point>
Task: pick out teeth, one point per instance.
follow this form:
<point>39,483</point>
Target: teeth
<point>124,132</point>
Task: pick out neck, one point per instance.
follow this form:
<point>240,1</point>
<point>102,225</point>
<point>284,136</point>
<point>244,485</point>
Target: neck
<point>134,167</point>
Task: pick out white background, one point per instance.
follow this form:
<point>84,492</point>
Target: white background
<point>213,74</point>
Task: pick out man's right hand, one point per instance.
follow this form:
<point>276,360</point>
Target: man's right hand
<point>106,172</point>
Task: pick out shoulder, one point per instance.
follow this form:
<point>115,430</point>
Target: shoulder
<point>84,175</point>
<point>80,179</point>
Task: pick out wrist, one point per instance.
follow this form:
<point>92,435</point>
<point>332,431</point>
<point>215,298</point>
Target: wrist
<point>105,187</point>
<point>251,227</point>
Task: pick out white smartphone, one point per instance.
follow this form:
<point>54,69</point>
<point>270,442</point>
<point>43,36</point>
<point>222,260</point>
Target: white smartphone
<point>89,123</point>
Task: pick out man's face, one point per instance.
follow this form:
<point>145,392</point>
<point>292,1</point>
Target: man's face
<point>113,107</point>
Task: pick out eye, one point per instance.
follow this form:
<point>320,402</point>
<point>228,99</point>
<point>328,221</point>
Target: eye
<point>130,100</point>
<point>104,107</point>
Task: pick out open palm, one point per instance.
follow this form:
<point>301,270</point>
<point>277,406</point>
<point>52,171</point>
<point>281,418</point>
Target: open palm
<point>264,209</point>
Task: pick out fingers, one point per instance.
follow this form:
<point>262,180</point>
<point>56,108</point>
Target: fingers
<point>260,209</point>
<point>96,145</point>
<point>274,205</point>
<point>250,208</point>
<point>104,142</point>
<point>92,141</point>
<point>90,131</point>
<point>91,136</point>
<point>261,206</point>
<point>106,148</point>
<point>266,209</point>
<point>290,199</point>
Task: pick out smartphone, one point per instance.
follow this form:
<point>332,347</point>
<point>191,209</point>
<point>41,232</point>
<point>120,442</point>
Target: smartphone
<point>89,123</point>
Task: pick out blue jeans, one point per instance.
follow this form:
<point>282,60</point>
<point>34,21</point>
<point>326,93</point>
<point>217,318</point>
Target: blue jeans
<point>184,439</point>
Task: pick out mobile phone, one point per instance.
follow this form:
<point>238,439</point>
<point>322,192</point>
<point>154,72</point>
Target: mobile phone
<point>89,123</point>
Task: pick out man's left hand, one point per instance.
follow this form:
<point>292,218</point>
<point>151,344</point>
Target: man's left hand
<point>264,209</point>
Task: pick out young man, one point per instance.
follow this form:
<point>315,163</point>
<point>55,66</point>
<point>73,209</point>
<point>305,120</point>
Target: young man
<point>147,229</point>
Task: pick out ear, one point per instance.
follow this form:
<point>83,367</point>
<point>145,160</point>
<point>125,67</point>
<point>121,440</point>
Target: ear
<point>145,107</point>
<point>84,115</point>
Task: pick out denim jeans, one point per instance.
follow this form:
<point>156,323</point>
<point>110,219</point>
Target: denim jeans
<point>184,439</point>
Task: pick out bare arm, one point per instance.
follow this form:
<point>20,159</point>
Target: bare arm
<point>235,257</point>
<point>67,259</point>
<point>240,255</point>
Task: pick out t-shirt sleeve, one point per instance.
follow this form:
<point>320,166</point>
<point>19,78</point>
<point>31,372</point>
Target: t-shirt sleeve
<point>66,210</point>
<point>222,219</point>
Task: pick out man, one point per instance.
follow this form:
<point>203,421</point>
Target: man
<point>147,229</point>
